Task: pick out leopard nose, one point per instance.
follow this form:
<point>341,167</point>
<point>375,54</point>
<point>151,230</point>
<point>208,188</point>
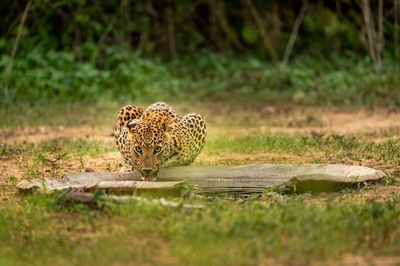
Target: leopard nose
<point>147,170</point>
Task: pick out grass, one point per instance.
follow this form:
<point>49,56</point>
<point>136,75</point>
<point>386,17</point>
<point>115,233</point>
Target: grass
<point>60,147</point>
<point>339,146</point>
<point>227,232</point>
<point>290,229</point>
<point>298,144</point>
<point>334,148</point>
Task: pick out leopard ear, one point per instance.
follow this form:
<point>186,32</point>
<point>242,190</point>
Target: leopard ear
<point>132,124</point>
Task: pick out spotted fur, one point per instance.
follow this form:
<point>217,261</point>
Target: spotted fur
<point>158,137</point>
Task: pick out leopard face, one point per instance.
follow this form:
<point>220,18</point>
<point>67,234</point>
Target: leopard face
<point>149,146</point>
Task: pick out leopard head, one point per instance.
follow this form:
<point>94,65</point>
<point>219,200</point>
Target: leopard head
<point>150,145</point>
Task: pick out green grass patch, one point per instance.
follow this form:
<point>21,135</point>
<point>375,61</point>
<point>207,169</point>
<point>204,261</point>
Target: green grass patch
<point>227,232</point>
<point>33,158</point>
<point>338,145</point>
<point>60,146</point>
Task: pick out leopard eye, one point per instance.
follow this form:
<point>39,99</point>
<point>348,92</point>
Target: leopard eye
<point>138,149</point>
<point>157,149</point>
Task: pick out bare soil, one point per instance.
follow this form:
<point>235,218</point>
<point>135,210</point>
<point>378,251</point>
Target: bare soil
<point>240,123</point>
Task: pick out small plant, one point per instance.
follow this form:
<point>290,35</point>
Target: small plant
<point>389,180</point>
<point>12,179</point>
<point>81,163</point>
<point>108,167</point>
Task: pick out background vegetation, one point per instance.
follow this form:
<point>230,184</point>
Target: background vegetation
<point>66,67</point>
<point>306,52</point>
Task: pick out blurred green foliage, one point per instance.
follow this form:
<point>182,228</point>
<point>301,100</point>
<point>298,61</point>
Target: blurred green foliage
<point>86,51</point>
<point>186,26</point>
<point>58,77</point>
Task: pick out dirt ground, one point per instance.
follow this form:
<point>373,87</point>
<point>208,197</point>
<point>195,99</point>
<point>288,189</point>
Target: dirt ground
<point>240,123</point>
<point>376,125</point>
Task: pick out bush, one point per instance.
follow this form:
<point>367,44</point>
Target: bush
<point>59,77</point>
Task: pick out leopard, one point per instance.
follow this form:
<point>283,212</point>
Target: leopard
<point>158,137</point>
